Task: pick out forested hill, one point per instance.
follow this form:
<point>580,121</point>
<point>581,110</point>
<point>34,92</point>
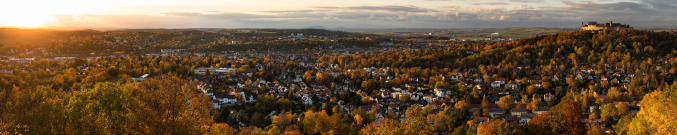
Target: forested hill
<point>636,43</point>
<point>651,54</point>
<point>580,49</point>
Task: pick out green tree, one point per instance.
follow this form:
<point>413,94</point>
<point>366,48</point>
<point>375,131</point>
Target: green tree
<point>98,111</point>
<point>609,112</point>
<point>509,128</point>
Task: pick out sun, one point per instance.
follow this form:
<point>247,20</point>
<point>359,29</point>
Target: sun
<point>26,20</point>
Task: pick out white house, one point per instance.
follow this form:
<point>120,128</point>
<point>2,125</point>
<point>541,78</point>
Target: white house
<point>306,100</point>
<point>141,78</point>
<point>441,92</point>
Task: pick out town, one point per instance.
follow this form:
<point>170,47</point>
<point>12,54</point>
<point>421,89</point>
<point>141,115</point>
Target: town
<point>254,81</point>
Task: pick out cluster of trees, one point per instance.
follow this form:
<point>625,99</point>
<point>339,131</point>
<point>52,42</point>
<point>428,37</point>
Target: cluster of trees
<point>160,105</point>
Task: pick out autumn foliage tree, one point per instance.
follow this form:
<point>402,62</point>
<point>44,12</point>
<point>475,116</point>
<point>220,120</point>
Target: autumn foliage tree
<point>168,105</point>
<point>568,118</point>
<point>657,115</point>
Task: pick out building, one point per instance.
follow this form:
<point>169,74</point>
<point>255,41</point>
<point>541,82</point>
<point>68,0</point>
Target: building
<point>594,26</point>
<point>21,60</point>
<point>215,70</point>
<point>141,78</point>
<point>165,51</point>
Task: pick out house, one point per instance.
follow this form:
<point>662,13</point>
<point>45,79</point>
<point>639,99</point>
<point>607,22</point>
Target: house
<point>518,111</point>
<point>385,93</point>
<point>306,100</point>
<point>439,92</point>
<point>428,98</point>
<point>454,77</point>
<point>615,81</point>
<point>595,122</point>
<point>469,52</point>
<point>501,80</point>
<point>495,111</point>
<point>480,120</point>
<point>215,70</point>
<point>603,79</point>
<point>478,80</point>
<point>626,80</point>
<point>248,97</point>
<point>526,117</point>
<point>248,73</point>
<point>21,60</point>
<point>511,86</point>
<point>228,99</point>
<point>495,84</point>
<point>8,72</point>
<point>541,110</point>
<point>297,80</point>
<point>141,78</point>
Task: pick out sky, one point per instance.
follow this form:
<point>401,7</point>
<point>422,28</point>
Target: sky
<point>334,13</point>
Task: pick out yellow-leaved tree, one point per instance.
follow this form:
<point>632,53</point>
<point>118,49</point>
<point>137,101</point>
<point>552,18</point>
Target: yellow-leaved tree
<point>168,105</point>
<point>657,115</point>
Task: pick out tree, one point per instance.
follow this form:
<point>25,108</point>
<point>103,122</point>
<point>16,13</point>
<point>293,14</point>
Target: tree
<point>168,105</point>
<point>251,131</point>
<point>32,111</point>
<point>546,85</point>
<point>622,108</point>
<point>221,129</point>
<point>308,76</point>
<point>98,111</point>
<point>535,103</point>
<point>489,128</point>
<point>595,130</point>
<point>568,118</point>
<point>656,115</point>
<point>416,121</point>
<point>509,128</point>
<point>609,112</point>
<point>283,120</point>
<point>461,105</point>
<point>531,89</point>
<point>540,125</point>
<point>404,98</point>
<point>460,130</point>
<point>324,78</point>
<point>506,103</point>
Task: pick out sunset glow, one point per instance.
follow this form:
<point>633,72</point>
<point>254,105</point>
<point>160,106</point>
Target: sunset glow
<point>331,13</point>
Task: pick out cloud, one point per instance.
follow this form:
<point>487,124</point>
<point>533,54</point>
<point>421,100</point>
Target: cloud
<point>491,3</point>
<point>451,7</point>
<point>527,7</point>
<point>527,1</point>
<point>514,13</point>
<point>63,17</point>
<point>292,11</point>
<point>393,8</point>
<point>183,13</point>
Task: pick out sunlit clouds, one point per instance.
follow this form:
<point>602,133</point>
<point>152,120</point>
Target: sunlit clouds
<point>333,13</point>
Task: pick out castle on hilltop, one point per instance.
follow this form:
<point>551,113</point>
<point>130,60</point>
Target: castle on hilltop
<point>594,26</point>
